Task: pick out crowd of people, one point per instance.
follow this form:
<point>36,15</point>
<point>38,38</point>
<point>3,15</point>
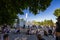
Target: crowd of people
<point>45,31</point>
<point>53,31</point>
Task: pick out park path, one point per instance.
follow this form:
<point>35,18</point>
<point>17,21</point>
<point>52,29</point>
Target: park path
<point>22,36</point>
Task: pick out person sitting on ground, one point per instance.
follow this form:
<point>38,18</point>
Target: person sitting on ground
<point>50,32</point>
<point>40,37</point>
<point>28,31</point>
<point>45,33</point>
<point>6,37</point>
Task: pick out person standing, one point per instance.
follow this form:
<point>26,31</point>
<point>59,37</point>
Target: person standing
<point>58,29</point>
<point>3,28</point>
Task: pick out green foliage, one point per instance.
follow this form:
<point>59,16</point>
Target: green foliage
<point>57,12</point>
<point>17,6</point>
<point>48,23</point>
<point>10,8</point>
<point>45,23</point>
<point>7,18</point>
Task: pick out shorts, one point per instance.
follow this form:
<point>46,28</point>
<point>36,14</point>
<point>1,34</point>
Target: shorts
<point>58,38</point>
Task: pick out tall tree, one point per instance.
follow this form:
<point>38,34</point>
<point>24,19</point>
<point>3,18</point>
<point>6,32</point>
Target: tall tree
<point>48,23</point>
<point>10,8</point>
<point>57,12</point>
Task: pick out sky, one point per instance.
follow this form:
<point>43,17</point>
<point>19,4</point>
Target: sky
<point>47,14</point>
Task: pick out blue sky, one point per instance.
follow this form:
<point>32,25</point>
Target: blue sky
<point>47,14</point>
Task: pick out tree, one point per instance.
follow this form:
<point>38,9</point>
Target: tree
<point>44,23</point>
<point>18,21</point>
<point>7,18</point>
<point>10,8</point>
<point>57,12</point>
<point>48,23</point>
<point>41,23</point>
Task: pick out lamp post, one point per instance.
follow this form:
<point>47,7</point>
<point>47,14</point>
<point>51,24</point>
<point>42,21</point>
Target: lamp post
<point>26,19</point>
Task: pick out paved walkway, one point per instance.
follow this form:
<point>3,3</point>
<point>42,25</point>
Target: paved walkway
<point>23,37</point>
<point>30,37</point>
<point>26,37</point>
<point>49,37</point>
